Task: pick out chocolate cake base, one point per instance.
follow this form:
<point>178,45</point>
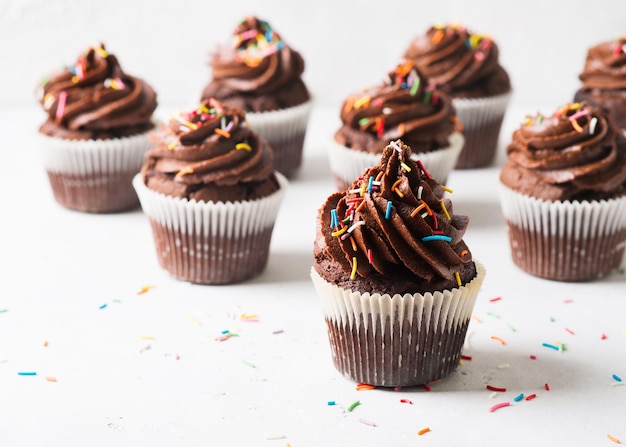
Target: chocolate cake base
<point>96,192</point>
<point>566,258</point>
<point>211,259</point>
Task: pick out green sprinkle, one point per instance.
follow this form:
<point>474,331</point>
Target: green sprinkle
<point>510,326</point>
<point>415,86</point>
<point>552,319</point>
<point>363,121</point>
<point>427,96</point>
<point>354,404</point>
<point>3,311</point>
<point>247,363</point>
<point>491,314</point>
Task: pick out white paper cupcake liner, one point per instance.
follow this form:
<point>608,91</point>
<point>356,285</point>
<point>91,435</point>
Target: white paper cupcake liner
<point>567,241</point>
<point>285,130</point>
<point>94,175</point>
<point>482,119</point>
<point>211,242</point>
<point>347,164</point>
<point>400,340</point>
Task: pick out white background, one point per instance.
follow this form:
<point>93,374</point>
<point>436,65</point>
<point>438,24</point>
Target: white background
<point>135,370</point>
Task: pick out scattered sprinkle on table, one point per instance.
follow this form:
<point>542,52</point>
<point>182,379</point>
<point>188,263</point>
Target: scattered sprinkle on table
<point>533,357</point>
<point>496,388</point>
<point>406,401</point>
<point>353,405</point>
<point>365,386</point>
<point>367,422</point>
<point>26,373</point>
<point>331,403</point>
<point>551,346</point>
<point>617,378</point>
<point>274,436</point>
<point>531,396</point>
<point>547,387</point>
<point>498,406</point>
<point>144,289</point>
<point>613,439</point>
<point>498,339</point>
<point>493,300</point>
<point>569,330</point>
<point>466,357</point>
<point>519,397</point>
<point>102,306</point>
<point>247,363</point>
<point>423,431</point>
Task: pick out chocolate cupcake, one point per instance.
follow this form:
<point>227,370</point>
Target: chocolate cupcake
<point>466,66</point>
<point>96,132</point>
<point>403,106</point>
<point>604,79</point>
<point>210,191</point>
<point>262,75</point>
<point>396,281</point>
<point>564,194</point>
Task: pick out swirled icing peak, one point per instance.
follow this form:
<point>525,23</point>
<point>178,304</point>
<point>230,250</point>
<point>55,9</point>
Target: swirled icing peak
<point>404,106</point>
<point>210,154</point>
<point>459,62</point>
<point>605,66</point>
<point>258,71</point>
<point>574,154</point>
<point>393,229</point>
<point>95,98</point>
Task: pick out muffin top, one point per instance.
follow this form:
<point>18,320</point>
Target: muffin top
<point>210,154</point>
<point>96,99</point>
<point>460,63</point>
<point>392,232</point>
<point>577,153</point>
<point>605,66</point>
<point>403,106</point>
<point>257,71</point>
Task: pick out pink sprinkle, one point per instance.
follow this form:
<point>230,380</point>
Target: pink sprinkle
<point>366,422</point>
<point>569,330</point>
<point>61,105</point>
<point>498,406</point>
<point>498,298</point>
<point>277,331</point>
<point>578,114</point>
<point>569,300</point>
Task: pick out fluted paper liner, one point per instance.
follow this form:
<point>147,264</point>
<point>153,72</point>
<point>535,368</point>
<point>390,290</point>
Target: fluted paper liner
<point>400,340</point>
<point>211,242</point>
<point>94,175</point>
<point>566,241</point>
<point>348,165</point>
<point>285,131</point>
<point>482,119</point>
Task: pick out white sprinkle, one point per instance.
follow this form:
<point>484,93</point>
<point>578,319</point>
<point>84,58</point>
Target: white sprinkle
<point>274,436</point>
<point>592,125</point>
<point>503,366</point>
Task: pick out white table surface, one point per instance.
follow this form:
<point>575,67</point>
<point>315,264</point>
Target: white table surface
<point>146,369</point>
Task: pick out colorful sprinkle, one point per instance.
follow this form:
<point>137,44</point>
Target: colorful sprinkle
<point>613,439</point>
<point>445,211</point>
<point>498,406</point>
<point>466,357</point>
<point>496,388</point>
<point>330,403</point>
<point>426,387</point>
<point>26,373</point>
<point>551,346</point>
<point>406,401</point>
<point>531,396</point>
<point>50,379</point>
<point>367,422</point>
<point>519,397</point>
<point>617,378</point>
<point>365,386</point>
<point>247,363</point>
<point>222,133</point>
<point>436,238</point>
<point>498,339</point>
<point>423,431</point>
<point>569,331</point>
<point>61,105</point>
<point>353,405</point>
<point>388,212</point>
<point>533,357</point>
<point>458,279</point>
<point>493,300</point>
<point>354,267</point>
<point>102,306</point>
<point>144,289</point>
<point>547,387</point>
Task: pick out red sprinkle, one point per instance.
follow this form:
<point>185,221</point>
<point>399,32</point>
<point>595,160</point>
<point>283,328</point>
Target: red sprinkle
<point>531,396</point>
<point>493,300</point>
<point>533,357</point>
<point>603,337</point>
<point>406,401</point>
<point>547,387</point>
<point>426,387</point>
<point>466,357</point>
<point>495,388</point>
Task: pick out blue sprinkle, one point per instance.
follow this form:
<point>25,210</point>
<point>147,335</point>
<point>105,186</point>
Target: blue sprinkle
<point>437,237</point>
<point>331,402</point>
<point>334,220</point>
<point>103,306</point>
<point>388,212</point>
<point>617,378</point>
<point>26,373</point>
<point>548,345</point>
<point>519,397</point>
<point>369,184</point>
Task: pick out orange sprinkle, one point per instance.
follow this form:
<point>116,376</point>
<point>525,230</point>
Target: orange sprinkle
<point>417,210</point>
<point>144,289</point>
<point>477,319</point>
<point>45,343</point>
<point>502,342</point>
<point>353,244</point>
<point>361,205</point>
<point>184,172</point>
<point>51,379</point>
<point>423,431</point>
<point>394,188</point>
<point>379,176</point>
<point>365,386</point>
<point>576,126</point>
<point>464,252</point>
<point>613,439</point>
<point>458,123</point>
<point>222,132</point>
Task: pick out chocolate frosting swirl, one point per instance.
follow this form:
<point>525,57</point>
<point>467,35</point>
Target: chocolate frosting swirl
<point>404,106</point>
<point>575,154</point>
<point>393,231</point>
<point>96,99</point>
<point>259,71</point>
<point>462,64</point>
<point>210,154</point>
<point>605,66</point>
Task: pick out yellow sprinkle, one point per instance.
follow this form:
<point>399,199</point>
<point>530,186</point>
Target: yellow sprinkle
<point>184,172</point>
<point>243,146</point>
<point>222,132</point>
<point>340,232</point>
<point>365,100</point>
<point>576,126</point>
<point>445,188</point>
<point>190,125</point>
<point>147,337</point>
<point>172,145</point>
<point>203,108</point>
<point>353,274</point>
<point>445,211</point>
<point>363,188</point>
<point>144,289</point>
<point>405,166</point>
<point>102,52</point>
<point>458,278</point>
<point>75,79</point>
